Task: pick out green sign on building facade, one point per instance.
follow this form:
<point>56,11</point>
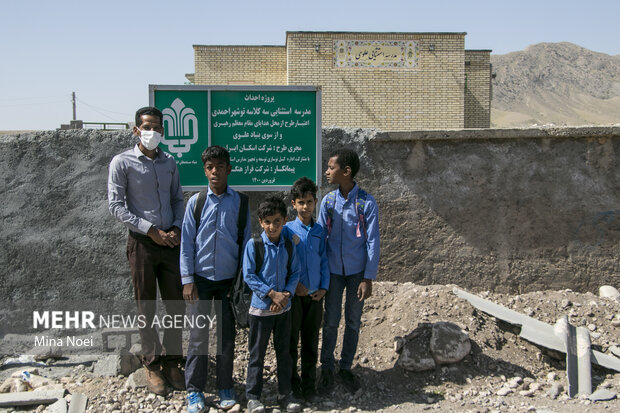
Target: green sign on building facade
<point>273,133</point>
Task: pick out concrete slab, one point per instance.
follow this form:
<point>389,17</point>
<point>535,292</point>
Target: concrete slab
<point>29,398</point>
<point>532,330</point>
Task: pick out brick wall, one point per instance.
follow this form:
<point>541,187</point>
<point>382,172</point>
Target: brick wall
<point>477,88</point>
<point>247,65</point>
<point>429,96</point>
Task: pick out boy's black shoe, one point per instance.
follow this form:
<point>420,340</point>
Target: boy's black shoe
<point>326,385</point>
<point>255,406</point>
<point>289,404</point>
<point>349,380</point>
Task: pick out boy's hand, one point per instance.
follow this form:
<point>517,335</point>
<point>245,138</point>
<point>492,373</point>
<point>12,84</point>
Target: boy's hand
<point>274,308</point>
<point>278,298</point>
<point>301,290</point>
<point>190,293</point>
<point>365,289</point>
<point>317,295</point>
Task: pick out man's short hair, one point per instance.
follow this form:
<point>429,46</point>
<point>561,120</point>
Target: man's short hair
<point>270,206</point>
<point>148,110</point>
<point>303,186</point>
<point>215,152</point>
<point>347,157</point>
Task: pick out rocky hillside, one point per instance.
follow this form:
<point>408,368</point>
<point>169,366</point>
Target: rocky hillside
<point>555,83</point>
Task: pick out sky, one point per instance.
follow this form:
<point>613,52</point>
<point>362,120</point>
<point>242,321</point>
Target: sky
<point>108,52</point>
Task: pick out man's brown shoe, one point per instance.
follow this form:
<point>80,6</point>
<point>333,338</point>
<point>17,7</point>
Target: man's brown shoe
<point>173,374</point>
<point>155,381</point>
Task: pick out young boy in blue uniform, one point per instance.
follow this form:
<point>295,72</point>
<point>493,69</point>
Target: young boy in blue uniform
<point>273,283</point>
<point>351,219</point>
<point>307,305</point>
<point>210,256</point>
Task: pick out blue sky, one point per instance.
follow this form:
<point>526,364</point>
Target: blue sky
<point>109,51</point>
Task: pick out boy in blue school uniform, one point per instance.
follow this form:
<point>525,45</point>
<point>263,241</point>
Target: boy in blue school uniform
<point>307,305</point>
<point>210,258</point>
<point>273,283</point>
<point>351,219</point>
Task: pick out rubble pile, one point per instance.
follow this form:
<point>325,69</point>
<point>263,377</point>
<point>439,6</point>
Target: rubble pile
<point>471,361</point>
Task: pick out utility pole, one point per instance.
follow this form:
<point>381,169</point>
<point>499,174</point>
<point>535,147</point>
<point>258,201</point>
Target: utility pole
<point>73,101</point>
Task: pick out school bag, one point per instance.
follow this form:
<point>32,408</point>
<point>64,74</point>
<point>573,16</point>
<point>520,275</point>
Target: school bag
<point>241,294</point>
<point>360,202</point>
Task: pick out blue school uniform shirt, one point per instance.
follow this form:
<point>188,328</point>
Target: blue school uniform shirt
<point>211,251</point>
<point>311,252</point>
<point>273,273</point>
<point>348,253</point>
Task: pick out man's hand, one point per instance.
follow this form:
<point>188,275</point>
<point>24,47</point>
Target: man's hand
<point>317,295</point>
<point>159,237</point>
<point>175,236</point>
<point>190,293</point>
<point>301,290</point>
<point>365,289</point>
<point>170,239</point>
<point>278,298</point>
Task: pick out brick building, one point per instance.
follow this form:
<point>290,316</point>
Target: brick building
<point>388,81</point>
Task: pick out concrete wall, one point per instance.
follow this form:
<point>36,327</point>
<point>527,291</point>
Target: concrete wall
<point>505,210</point>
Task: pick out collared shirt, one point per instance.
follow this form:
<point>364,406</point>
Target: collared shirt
<point>212,251</point>
<point>312,254</point>
<point>145,192</point>
<point>347,253</point>
<point>273,273</point>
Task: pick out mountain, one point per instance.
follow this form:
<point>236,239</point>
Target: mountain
<point>555,83</point>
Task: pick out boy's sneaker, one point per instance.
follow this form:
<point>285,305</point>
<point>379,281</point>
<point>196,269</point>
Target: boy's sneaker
<point>255,406</point>
<point>228,398</point>
<point>326,385</point>
<point>195,402</point>
<point>289,404</point>
<point>349,380</point>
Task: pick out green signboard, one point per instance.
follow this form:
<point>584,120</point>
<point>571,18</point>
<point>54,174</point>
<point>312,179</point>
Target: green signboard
<point>273,133</point>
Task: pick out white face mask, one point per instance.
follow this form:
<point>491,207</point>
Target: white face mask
<point>150,139</point>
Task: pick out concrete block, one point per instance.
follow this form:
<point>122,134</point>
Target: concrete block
<point>78,403</point>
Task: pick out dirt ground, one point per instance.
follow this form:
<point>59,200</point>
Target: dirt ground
<point>498,358</point>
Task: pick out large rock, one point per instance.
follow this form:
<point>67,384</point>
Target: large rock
<point>430,345</point>
<point>449,344</point>
<point>414,349</point>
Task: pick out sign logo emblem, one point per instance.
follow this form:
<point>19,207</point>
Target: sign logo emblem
<point>181,128</point>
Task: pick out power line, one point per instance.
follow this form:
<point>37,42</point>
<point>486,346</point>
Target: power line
<point>105,110</point>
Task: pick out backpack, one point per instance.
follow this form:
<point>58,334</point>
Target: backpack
<point>360,202</point>
<point>241,295</point>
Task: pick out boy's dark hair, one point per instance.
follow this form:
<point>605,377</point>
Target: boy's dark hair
<point>215,152</point>
<point>270,206</point>
<point>347,157</point>
<point>148,110</point>
<point>303,186</point>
